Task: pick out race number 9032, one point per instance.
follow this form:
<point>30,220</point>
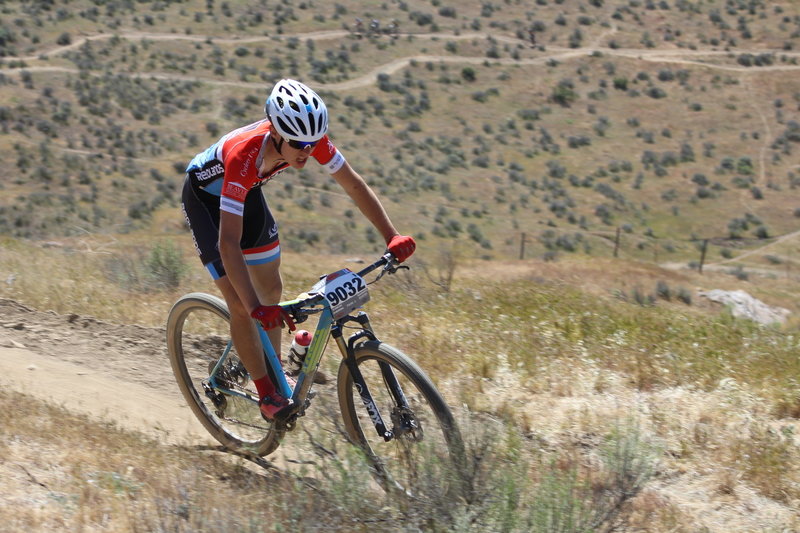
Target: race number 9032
<point>345,291</point>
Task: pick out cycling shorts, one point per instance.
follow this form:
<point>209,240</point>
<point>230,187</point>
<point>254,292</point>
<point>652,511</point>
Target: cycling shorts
<point>259,242</point>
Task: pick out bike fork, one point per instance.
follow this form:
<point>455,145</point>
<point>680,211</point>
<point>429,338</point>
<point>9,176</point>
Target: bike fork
<point>386,370</point>
<point>389,378</point>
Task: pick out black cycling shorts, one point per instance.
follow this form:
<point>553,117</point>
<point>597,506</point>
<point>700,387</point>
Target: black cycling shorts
<point>259,242</point>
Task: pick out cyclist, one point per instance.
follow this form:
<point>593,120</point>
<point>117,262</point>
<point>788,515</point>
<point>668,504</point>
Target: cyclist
<point>234,230</point>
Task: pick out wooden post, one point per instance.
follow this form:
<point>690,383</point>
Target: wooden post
<point>616,243</point>
<point>522,246</point>
<point>703,254</point>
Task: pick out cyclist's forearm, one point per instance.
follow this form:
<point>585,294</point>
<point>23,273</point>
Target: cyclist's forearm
<point>366,200</point>
<point>372,209</point>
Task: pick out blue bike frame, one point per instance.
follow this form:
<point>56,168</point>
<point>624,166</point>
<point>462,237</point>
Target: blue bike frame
<point>326,327</point>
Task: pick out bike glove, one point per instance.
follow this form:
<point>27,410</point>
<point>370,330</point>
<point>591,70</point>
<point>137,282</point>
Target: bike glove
<point>273,316</point>
<point>402,246</point>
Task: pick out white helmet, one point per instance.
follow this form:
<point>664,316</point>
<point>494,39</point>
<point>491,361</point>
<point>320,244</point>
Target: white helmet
<point>297,112</point>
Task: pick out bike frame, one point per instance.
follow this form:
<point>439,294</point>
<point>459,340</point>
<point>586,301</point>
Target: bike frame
<point>326,327</point>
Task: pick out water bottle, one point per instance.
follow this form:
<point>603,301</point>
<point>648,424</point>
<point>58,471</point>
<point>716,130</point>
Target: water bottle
<point>297,353</point>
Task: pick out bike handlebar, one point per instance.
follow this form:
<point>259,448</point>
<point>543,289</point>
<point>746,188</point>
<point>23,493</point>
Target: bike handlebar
<point>386,259</point>
<point>298,310</point>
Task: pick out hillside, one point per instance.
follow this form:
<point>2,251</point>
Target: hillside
<point>560,123</point>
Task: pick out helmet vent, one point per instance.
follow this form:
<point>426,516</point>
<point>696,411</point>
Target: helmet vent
<point>285,127</point>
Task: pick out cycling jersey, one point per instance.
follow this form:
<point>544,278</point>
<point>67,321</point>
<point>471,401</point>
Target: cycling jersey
<point>225,177</point>
<point>228,168</point>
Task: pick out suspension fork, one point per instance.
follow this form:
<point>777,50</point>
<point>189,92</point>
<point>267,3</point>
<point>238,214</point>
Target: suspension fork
<point>388,374</point>
<point>348,352</point>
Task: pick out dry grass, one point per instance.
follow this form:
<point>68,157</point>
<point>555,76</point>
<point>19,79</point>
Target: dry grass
<point>64,472</point>
<point>544,347</point>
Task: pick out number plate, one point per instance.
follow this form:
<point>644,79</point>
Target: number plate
<point>345,291</point>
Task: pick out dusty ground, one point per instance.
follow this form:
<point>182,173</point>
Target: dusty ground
<point>115,372</point>
<point>122,374</point>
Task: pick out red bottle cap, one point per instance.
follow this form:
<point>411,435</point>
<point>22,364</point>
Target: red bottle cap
<point>302,337</point>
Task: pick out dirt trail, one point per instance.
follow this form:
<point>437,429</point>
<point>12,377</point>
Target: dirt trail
<point>112,372</point>
<point>558,53</point>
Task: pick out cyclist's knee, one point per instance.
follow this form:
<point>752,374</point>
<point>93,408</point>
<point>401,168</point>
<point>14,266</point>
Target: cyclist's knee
<point>268,282</point>
<point>273,292</point>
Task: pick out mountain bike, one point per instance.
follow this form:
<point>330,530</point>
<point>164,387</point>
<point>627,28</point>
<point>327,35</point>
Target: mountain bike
<point>390,408</point>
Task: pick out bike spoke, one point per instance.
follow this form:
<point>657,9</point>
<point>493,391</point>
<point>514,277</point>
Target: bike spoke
<point>421,453</point>
<point>198,332</point>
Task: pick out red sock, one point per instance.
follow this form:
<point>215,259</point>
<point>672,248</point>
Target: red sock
<point>264,386</point>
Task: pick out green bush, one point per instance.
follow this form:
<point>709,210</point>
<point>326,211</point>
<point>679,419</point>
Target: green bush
<point>166,266</point>
<point>162,267</point>
<point>663,291</point>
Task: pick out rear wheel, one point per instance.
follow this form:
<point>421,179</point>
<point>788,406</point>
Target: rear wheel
<point>198,335</point>
<point>426,440</point>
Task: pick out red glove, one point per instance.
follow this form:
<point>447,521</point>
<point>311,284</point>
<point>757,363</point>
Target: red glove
<point>273,316</point>
<point>402,246</point>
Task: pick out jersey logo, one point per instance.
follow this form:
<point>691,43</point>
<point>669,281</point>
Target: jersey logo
<point>208,173</point>
<point>235,190</point>
<point>249,159</point>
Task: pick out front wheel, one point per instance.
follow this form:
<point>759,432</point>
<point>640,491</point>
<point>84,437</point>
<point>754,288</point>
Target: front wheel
<point>425,444</point>
<point>198,337</point>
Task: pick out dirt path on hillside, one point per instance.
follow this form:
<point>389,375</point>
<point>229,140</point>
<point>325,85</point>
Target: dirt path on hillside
<point>758,250</point>
<point>115,373</point>
<point>551,53</point>
<point>108,371</point>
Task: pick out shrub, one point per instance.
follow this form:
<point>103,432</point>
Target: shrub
<point>656,92</point>
<point>166,266</point>
<point>684,295</point>
<point>564,93</point>
<point>740,273</point>
<point>642,298</point>
<point>663,291</point>
<point>162,267</point>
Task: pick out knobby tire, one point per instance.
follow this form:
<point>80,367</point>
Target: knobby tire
<point>190,360</point>
<point>403,463</point>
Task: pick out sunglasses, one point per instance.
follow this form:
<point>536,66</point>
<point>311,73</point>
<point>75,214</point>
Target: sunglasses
<point>300,145</point>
